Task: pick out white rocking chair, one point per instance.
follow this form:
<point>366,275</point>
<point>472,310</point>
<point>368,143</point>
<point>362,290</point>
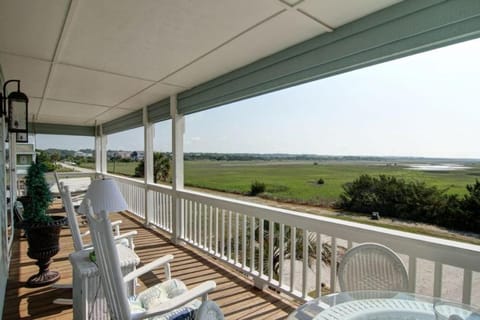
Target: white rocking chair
<point>79,184</point>
<point>72,215</point>
<point>166,300</point>
<point>78,244</point>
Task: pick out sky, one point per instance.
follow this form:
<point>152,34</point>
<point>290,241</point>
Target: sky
<point>424,105</point>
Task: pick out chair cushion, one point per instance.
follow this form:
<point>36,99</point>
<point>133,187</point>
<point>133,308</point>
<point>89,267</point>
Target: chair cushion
<point>160,293</point>
<point>123,242</point>
<point>209,310</point>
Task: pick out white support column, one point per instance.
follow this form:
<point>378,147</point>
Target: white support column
<point>100,150</point>
<point>149,134</point>
<point>178,130</point>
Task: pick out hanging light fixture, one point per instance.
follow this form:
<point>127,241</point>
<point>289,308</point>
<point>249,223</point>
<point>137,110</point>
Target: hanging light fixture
<point>15,109</point>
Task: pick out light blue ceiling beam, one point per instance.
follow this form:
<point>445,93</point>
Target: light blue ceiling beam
<point>409,27</point>
<point>126,122</point>
<point>61,129</point>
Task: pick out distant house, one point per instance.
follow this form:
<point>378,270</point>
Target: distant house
<point>25,157</point>
<point>82,154</point>
<point>111,154</point>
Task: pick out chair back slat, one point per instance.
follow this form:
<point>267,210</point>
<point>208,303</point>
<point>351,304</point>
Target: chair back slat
<point>72,217</point>
<point>108,264</point>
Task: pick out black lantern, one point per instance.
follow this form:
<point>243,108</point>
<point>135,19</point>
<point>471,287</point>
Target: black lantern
<point>15,108</point>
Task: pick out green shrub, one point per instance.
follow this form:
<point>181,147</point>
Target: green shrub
<point>412,200</point>
<point>256,188</point>
<point>38,196</point>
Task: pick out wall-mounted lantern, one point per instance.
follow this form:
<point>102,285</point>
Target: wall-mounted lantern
<point>15,109</point>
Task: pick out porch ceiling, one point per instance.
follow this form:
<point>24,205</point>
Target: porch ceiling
<point>90,60</point>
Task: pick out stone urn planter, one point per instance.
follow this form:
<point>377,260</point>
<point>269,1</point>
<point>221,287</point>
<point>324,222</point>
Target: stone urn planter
<point>43,244</point>
<point>42,230</point>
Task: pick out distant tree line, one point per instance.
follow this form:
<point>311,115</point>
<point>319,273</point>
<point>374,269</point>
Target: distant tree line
<point>50,157</point>
<point>273,156</point>
<point>413,200</point>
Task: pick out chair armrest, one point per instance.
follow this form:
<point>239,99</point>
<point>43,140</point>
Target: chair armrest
<point>88,246</point>
<point>116,226</point>
<point>127,235</point>
<point>199,291</point>
<point>165,260</point>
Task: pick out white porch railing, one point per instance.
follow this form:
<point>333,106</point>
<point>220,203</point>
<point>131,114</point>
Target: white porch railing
<point>161,196</point>
<point>134,193</point>
<point>230,231</point>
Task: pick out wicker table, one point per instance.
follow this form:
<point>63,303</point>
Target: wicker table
<point>88,298</point>
<point>382,305</point>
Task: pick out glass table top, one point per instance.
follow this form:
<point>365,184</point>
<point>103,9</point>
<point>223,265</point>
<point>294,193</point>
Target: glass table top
<point>373,305</point>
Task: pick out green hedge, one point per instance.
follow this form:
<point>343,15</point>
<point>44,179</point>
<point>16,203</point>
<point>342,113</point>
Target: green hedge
<point>413,200</point>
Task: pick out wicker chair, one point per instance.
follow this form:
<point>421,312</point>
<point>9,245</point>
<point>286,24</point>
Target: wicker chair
<point>372,266</point>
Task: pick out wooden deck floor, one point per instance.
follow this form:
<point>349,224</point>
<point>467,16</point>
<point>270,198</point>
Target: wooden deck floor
<point>235,294</point>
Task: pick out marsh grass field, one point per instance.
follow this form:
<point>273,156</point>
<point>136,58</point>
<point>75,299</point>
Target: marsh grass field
<point>296,181</point>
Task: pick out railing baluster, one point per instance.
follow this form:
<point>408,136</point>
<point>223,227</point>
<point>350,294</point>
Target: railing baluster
<point>236,240</point>
<point>161,210</point>
<point>305,263</point>
<point>199,225</point>
<point>229,237</point>
<point>252,244</point>
<point>205,227</point>
<point>216,231</point>
<point>261,237</point>
<point>467,287</point>
<point>222,235</point>
<point>155,207</point>
<point>318,276</point>
<point>437,280</point>
<point>293,254</point>
<point>190,221</point>
<point>182,219</point>
<point>281,240</point>
<point>333,266</point>
<point>271,239</point>
<point>244,241</point>
<point>168,212</point>
<point>412,273</point>
<point>164,204</point>
<point>195,225</point>
<point>210,229</point>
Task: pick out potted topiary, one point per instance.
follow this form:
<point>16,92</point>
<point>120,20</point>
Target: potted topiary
<point>42,230</point>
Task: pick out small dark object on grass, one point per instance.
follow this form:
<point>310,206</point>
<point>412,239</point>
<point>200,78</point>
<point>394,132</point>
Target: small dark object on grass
<point>257,188</point>
<point>375,216</point>
<point>320,181</point>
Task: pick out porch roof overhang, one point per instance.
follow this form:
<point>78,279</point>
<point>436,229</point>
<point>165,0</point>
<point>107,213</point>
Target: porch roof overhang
<point>101,62</point>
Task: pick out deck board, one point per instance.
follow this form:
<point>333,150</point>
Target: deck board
<point>235,294</point>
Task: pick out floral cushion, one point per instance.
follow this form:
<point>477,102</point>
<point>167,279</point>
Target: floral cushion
<point>160,293</point>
